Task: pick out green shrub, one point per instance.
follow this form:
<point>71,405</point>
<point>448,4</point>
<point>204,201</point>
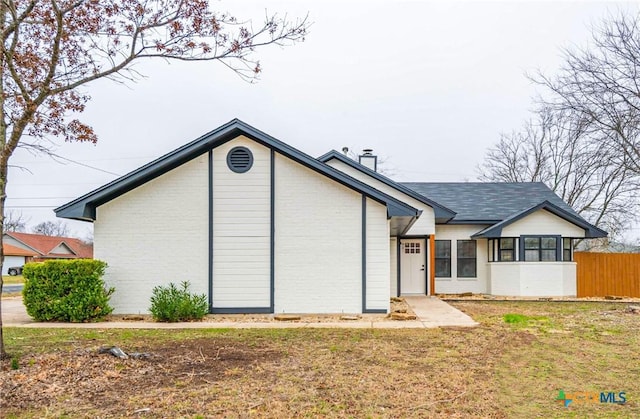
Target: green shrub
<point>66,290</point>
<point>173,304</point>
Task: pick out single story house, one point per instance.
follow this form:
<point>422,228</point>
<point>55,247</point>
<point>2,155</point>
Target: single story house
<point>21,248</point>
<point>15,256</point>
<point>261,227</point>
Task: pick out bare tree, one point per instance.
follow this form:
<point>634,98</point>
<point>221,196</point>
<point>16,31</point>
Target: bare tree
<point>50,228</point>
<point>600,84</point>
<point>51,48</point>
<point>14,221</point>
<point>557,148</point>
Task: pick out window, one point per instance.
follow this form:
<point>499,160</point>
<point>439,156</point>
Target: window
<point>466,258</point>
<point>240,159</point>
<point>538,249</point>
<point>412,248</point>
<point>443,258</point>
<point>567,247</point>
<point>507,251</point>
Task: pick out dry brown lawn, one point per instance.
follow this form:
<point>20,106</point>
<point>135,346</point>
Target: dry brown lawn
<point>499,369</point>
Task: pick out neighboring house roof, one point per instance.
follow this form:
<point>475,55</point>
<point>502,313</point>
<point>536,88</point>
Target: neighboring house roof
<point>10,250</point>
<point>500,204</point>
<point>49,246</point>
<point>84,208</point>
<point>441,212</point>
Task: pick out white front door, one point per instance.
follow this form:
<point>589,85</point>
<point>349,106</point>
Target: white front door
<point>413,272</point>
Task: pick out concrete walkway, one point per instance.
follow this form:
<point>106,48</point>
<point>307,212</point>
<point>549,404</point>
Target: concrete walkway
<point>431,312</point>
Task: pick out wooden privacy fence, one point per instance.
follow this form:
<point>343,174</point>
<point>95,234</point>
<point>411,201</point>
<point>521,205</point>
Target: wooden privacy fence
<point>601,274</point>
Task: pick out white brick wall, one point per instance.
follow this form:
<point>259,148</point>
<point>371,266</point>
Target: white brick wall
<point>533,279</point>
<point>378,263</point>
<point>423,226</point>
<point>242,228</point>
<point>454,284</point>
<point>318,242</point>
<point>156,234</point>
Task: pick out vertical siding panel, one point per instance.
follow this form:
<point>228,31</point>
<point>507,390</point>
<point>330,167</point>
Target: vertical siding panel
<point>393,273</point>
<point>242,229</point>
<point>378,260</point>
<point>601,274</point>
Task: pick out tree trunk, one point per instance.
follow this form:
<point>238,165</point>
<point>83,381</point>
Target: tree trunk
<point>3,196</point>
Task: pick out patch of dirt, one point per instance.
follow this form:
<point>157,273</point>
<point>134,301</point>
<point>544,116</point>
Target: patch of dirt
<point>85,375</point>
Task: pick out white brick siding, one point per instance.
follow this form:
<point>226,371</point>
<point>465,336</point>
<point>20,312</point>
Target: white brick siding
<point>318,242</point>
<point>156,234</point>
<point>455,284</point>
<point>533,279</point>
<point>425,225</point>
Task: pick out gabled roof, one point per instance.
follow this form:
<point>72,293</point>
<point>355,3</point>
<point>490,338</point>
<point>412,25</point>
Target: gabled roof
<point>486,202</point>
<point>43,246</point>
<point>495,230</point>
<point>84,208</point>
<point>441,212</point>
<point>10,250</point>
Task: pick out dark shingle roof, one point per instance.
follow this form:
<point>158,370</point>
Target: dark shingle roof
<point>483,201</point>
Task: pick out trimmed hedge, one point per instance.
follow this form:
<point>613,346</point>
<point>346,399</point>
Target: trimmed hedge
<point>173,304</point>
<point>66,290</point>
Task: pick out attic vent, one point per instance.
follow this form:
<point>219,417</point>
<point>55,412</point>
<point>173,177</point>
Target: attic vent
<point>240,159</point>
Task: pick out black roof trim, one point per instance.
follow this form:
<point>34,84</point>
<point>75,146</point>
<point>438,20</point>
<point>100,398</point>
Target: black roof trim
<point>495,230</point>
<point>84,207</point>
<point>460,222</point>
<point>442,213</point>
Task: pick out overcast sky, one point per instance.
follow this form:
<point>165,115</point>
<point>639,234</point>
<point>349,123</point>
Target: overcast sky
<point>428,85</point>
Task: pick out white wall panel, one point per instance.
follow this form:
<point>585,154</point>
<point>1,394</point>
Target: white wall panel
<point>425,225</point>
<point>10,262</point>
<point>542,222</point>
<point>456,285</point>
<point>154,235</point>
<point>393,274</point>
<point>378,263</point>
<point>318,242</point>
<point>242,229</point>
